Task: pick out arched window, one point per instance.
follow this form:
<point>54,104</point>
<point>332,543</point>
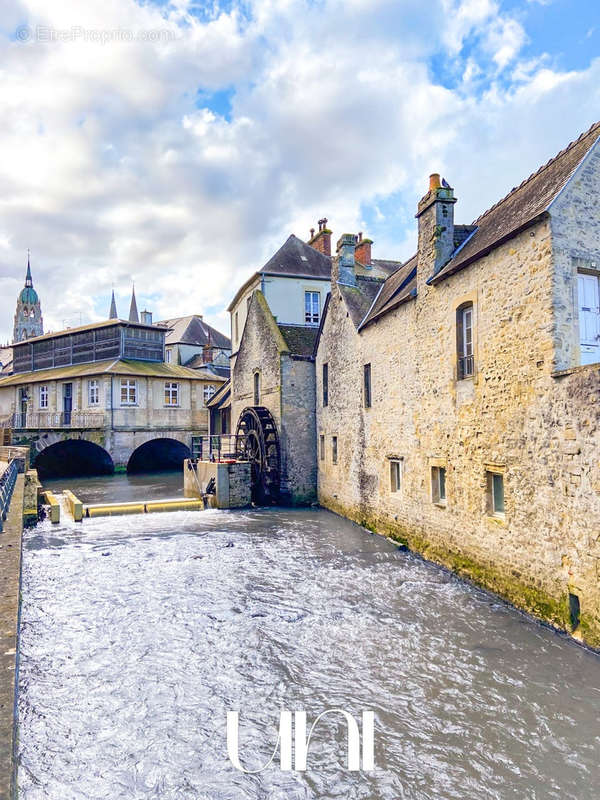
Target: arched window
<point>465,337</point>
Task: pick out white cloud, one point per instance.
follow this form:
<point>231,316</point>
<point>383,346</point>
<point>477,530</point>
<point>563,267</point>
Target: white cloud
<point>111,172</point>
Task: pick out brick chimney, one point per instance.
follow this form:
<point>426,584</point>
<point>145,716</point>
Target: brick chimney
<point>321,240</point>
<point>346,248</point>
<point>363,250</point>
<point>435,213</point>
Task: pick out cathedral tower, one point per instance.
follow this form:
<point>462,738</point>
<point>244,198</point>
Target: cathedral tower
<point>28,316</point>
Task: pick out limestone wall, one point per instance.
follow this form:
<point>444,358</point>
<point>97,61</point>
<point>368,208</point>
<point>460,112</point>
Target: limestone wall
<point>232,482</point>
<point>514,417</point>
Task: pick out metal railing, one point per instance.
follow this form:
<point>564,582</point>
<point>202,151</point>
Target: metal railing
<point>7,484</point>
<point>50,419</point>
<point>222,447</point>
<point>466,367</point>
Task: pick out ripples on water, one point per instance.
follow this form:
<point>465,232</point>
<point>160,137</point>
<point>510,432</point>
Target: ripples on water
<point>138,633</point>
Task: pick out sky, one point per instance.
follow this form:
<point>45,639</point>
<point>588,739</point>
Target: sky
<point>178,144</point>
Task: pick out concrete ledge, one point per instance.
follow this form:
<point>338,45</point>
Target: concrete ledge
<point>10,588</point>
<point>74,505</point>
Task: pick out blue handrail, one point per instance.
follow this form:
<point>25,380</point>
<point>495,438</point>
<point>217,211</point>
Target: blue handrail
<point>7,484</point>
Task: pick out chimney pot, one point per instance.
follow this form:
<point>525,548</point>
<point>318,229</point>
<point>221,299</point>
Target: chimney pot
<point>434,181</point>
<point>360,236</point>
<point>312,232</point>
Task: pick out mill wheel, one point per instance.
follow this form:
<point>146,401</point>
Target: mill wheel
<point>258,443</point>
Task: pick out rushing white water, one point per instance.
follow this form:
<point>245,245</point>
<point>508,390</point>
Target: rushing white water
<point>139,633</point>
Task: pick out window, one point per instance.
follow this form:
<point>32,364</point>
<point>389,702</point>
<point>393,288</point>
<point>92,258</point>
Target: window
<point>367,385</point>
<point>325,384</point>
<point>322,447</point>
<point>396,465</point>
<point>438,485</point>
<point>464,341</point>
<point>128,392</point>
<point>256,389</point>
<point>495,493</point>
<point>589,317</point>
<point>312,307</point>
<point>43,397</point>
<point>208,390</point>
<point>168,355</point>
<point>171,394</point>
<point>93,393</point>
<point>334,449</point>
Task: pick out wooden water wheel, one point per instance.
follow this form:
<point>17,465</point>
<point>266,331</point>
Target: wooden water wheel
<point>257,442</point>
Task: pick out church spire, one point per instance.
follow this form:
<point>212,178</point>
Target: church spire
<point>28,278</point>
<point>133,312</point>
<point>112,314</point>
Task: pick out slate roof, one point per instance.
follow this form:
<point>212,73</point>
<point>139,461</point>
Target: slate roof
<point>295,257</point>
<point>196,362</point>
<point>300,340</point>
<point>119,367</point>
<point>80,328</point>
<point>193,330</point>
<point>6,359</point>
<point>524,204</point>
<point>222,397</point>
<point>359,299</point>
<point>398,288</point>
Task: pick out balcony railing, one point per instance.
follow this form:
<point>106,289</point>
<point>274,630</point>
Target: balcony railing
<point>216,448</point>
<point>49,419</point>
<point>466,367</point>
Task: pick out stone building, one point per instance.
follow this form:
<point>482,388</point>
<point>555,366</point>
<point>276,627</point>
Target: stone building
<point>275,318</point>
<point>100,396</point>
<point>460,412</point>
<point>28,315</point>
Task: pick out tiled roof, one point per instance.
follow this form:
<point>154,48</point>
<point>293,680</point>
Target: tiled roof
<point>398,288</point>
<point>151,369</point>
<point>299,339</point>
<point>193,330</point>
<point>524,204</point>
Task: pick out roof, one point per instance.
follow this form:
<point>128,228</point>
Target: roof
<point>6,359</point>
<point>193,330</point>
<point>524,205</point>
<point>294,259</point>
<point>398,288</point>
<point>299,339</point>
<point>196,362</point>
<point>221,397</point>
<point>148,369</point>
<point>103,324</point>
<point>359,299</point>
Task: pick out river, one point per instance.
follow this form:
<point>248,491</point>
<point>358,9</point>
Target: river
<point>139,633</point>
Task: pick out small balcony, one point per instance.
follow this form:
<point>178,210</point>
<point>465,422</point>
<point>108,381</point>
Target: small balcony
<point>50,420</point>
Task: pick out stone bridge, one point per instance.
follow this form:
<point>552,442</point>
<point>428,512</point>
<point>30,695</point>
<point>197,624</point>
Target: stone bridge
<point>81,451</point>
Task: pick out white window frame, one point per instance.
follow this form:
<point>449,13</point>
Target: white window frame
<point>208,391</point>
<point>396,475</point>
<point>171,397</point>
<point>129,389</point>
<point>168,356</point>
<point>43,396</point>
<point>438,485</point>
<point>93,392</point>
<point>492,475</point>
<point>312,317</point>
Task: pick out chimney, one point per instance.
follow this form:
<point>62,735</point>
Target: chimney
<point>363,251</point>
<point>146,317</point>
<point>346,248</point>
<point>321,240</point>
<point>435,213</point>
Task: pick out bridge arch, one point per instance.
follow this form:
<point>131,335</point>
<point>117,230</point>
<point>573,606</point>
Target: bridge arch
<point>158,455</point>
<point>73,457</point>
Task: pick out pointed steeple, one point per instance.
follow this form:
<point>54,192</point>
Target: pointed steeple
<point>28,278</point>
<point>133,312</point>
<point>112,314</point>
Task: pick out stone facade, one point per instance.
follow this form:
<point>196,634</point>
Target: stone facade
<point>528,414</point>
<point>286,390</point>
<point>232,481</point>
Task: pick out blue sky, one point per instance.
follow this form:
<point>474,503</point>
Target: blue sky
<point>178,144</point>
